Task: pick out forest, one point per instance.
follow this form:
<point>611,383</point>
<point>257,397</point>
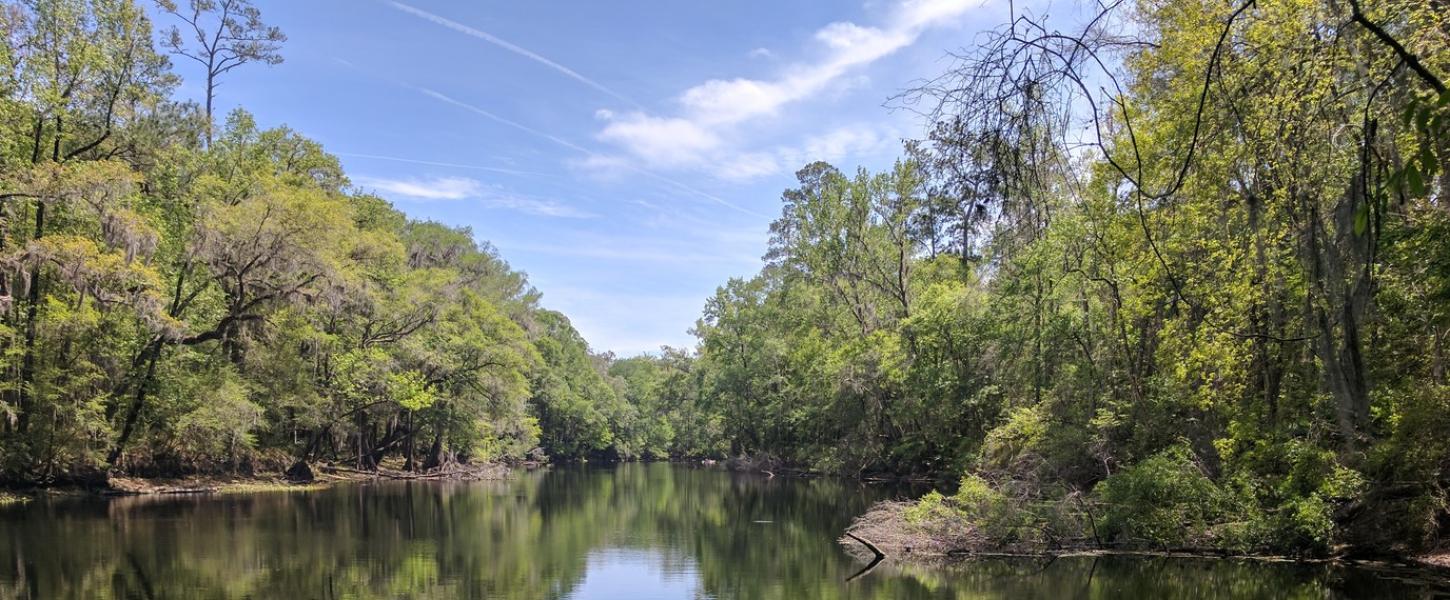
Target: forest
<point>1182,267</point>
<point>184,292</point>
<point>1177,276</point>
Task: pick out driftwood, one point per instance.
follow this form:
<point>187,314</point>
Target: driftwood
<point>450,471</point>
<point>880,556</point>
<point>126,486</point>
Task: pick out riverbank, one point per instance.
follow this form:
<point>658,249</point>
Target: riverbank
<point>318,477</point>
<point>772,467</point>
<point>888,530</point>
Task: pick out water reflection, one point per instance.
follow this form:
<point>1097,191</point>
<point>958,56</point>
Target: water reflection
<point>620,574</point>
<point>636,531</point>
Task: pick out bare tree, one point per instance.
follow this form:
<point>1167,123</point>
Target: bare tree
<point>226,34</point>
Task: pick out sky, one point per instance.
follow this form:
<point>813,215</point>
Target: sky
<point>629,156</point>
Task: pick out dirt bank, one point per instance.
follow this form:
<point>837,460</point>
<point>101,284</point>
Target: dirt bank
<point>318,476</point>
<point>884,529</point>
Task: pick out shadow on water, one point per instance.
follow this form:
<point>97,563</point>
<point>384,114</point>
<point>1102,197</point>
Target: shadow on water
<point>633,531</point>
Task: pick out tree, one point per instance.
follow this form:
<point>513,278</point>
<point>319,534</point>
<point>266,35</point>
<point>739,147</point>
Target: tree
<point>89,70</point>
<point>224,35</point>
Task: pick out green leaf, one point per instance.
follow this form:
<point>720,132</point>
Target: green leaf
<point>1414,182</point>
<point>1361,219</point>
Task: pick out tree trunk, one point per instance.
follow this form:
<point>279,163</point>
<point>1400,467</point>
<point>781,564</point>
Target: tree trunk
<point>133,415</point>
<point>435,453</point>
<point>1345,294</point>
<point>210,95</point>
<point>362,428</point>
<point>408,448</point>
<point>27,363</point>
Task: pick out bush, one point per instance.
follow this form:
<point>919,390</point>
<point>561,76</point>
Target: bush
<point>220,429</point>
<point>1015,445</point>
<point>977,505</point>
<point>1165,500</point>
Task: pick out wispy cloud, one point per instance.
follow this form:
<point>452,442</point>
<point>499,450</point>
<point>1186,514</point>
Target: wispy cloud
<point>592,160</point>
<point>431,188</point>
<point>622,252</point>
<point>730,162</point>
<point>699,135</point>
<point>441,97</point>
<point>435,163</point>
<point>466,188</point>
<point>592,157</point>
<point>626,322</point>
<point>535,206</point>
<point>511,47</point>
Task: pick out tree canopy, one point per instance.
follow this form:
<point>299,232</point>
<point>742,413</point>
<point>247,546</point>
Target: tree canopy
<point>1186,261</point>
<point>178,301</point>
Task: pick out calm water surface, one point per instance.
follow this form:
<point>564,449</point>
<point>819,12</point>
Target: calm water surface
<point>633,532</point>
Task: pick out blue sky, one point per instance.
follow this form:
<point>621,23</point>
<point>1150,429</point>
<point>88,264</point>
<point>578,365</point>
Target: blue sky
<point>628,155</point>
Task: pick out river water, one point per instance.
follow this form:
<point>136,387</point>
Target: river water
<point>634,531</point>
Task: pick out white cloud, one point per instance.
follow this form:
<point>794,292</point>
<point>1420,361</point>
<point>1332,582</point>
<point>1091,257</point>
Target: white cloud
<point>719,102</point>
<point>705,135</point>
<point>922,13</point>
<point>855,41</point>
<point>836,144</point>
<point>433,188</point>
<point>591,159</point>
<point>661,141</point>
<point>846,141</point>
<point>735,164</point>
<point>761,53</point>
<point>747,165</point>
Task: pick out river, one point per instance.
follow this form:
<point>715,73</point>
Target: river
<point>633,531</point>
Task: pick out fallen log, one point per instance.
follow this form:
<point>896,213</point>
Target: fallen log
<point>461,473</point>
<point>880,556</point>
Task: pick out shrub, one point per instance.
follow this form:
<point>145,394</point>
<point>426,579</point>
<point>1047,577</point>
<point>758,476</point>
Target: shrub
<point>220,429</point>
<point>1015,444</point>
<point>980,506</point>
<point>1165,500</point>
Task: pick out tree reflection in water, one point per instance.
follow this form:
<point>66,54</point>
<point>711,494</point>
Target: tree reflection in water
<point>632,531</point>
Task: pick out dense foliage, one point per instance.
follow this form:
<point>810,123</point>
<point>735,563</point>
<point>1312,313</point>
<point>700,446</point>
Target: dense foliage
<point>177,299</point>
<point>1189,259</point>
<point>1184,262</point>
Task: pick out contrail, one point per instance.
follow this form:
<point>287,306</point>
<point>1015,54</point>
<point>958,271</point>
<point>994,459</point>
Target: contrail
<point>577,148</point>
<point>511,47</point>
<point>511,123</point>
<point>444,164</point>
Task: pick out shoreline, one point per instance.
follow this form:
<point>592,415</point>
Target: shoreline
<point>910,544</point>
<point>1431,570</point>
<point>883,534</point>
<point>324,476</point>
